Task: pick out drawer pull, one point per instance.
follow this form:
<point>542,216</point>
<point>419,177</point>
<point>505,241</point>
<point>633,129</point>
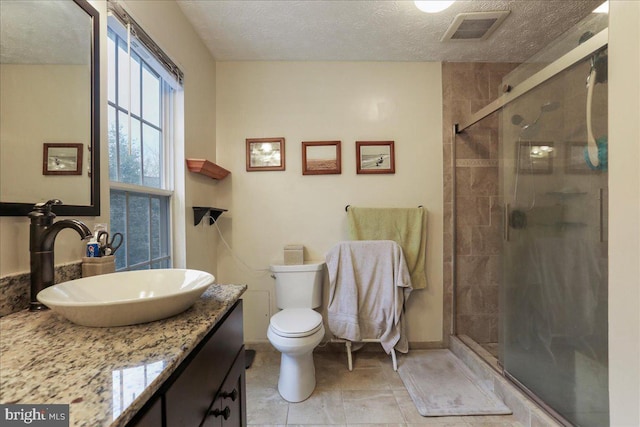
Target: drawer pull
<point>233,395</point>
<point>226,412</point>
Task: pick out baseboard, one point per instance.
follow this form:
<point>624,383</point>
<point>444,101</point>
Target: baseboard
<point>426,345</point>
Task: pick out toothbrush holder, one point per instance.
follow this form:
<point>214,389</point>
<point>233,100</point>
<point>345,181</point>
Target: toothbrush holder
<point>93,266</point>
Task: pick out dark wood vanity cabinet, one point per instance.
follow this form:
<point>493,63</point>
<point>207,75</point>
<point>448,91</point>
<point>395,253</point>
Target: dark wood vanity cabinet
<point>229,408</point>
<point>152,416</point>
<point>208,388</point>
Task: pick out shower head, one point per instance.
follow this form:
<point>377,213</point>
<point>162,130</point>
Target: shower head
<point>601,65</point>
<point>528,130</point>
<point>599,61</point>
<point>516,119</point>
<point>547,107</point>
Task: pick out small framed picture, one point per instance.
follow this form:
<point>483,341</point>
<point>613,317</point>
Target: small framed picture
<point>62,159</point>
<point>574,159</point>
<point>535,157</point>
<point>321,158</point>
<point>375,157</point>
<point>265,154</point>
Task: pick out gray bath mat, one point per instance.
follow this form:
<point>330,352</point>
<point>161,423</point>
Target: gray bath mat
<point>442,385</point>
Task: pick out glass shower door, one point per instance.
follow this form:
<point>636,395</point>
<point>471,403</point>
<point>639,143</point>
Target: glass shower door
<point>554,277</point>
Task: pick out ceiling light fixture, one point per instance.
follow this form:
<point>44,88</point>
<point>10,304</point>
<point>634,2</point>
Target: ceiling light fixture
<point>433,6</point>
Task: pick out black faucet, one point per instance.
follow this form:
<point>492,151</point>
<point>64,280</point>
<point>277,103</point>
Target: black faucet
<point>42,236</point>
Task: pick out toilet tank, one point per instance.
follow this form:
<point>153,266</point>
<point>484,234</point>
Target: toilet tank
<point>298,286</point>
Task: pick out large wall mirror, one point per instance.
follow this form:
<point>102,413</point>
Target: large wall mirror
<point>49,75</point>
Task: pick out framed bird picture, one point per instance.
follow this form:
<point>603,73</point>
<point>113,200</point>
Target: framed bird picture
<point>375,157</point>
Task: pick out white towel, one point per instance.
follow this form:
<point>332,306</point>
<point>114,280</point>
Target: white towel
<point>369,282</point>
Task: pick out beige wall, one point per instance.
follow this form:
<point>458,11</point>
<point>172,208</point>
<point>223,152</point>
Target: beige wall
<point>624,211</point>
<point>315,101</point>
<point>43,103</point>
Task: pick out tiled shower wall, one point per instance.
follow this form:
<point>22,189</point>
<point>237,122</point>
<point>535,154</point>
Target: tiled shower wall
<point>467,87</point>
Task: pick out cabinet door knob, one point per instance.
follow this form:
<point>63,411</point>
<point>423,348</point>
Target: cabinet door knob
<point>233,395</point>
<point>226,412</point>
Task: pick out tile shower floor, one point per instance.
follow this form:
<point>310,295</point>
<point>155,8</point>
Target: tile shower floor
<point>371,395</point>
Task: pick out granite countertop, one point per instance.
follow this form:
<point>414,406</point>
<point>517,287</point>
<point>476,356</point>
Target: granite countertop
<point>105,374</point>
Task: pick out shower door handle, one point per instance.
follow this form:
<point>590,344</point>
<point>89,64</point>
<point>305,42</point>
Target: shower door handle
<point>601,214</point>
<point>505,231</point>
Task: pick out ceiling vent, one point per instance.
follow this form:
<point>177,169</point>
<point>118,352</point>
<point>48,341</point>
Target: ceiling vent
<point>474,25</point>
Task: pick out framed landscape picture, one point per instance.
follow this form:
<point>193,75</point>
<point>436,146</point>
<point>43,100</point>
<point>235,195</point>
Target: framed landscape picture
<point>321,158</point>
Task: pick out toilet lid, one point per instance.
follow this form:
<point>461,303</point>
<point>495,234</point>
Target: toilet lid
<point>296,322</point>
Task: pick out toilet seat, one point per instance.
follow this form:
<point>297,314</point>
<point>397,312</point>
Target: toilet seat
<point>296,322</point>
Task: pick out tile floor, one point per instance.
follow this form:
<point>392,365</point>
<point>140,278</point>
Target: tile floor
<point>371,395</point>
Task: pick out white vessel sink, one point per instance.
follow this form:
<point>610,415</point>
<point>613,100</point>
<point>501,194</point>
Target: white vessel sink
<point>126,298</point>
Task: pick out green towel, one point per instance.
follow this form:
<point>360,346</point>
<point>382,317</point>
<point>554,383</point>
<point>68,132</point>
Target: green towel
<point>405,226</point>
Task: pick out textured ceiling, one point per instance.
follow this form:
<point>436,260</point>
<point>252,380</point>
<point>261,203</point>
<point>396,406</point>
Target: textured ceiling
<point>38,32</point>
<point>352,30</point>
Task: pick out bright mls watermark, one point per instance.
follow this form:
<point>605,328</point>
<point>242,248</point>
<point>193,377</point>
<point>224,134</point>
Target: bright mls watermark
<point>34,415</point>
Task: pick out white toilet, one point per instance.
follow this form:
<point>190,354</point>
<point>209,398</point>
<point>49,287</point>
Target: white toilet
<point>297,329</point>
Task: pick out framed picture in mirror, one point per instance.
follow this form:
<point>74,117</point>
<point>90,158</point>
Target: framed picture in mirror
<point>62,159</point>
<point>576,159</point>
<point>535,157</point>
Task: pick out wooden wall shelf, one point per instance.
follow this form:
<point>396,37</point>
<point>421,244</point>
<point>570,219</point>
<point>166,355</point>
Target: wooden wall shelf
<point>207,168</point>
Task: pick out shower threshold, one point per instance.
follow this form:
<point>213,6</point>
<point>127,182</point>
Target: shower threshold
<point>535,406</point>
<point>487,352</point>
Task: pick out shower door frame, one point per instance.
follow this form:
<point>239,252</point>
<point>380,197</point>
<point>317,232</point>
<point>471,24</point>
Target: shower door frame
<point>574,56</point>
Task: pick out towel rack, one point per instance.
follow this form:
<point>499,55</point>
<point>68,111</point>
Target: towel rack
<point>346,208</point>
